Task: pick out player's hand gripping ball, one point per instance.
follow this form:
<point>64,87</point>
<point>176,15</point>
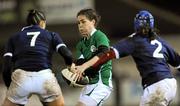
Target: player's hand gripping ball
<point>71,78</point>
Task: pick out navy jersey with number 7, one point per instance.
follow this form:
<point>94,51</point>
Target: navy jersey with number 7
<point>31,49</point>
<point>151,57</point>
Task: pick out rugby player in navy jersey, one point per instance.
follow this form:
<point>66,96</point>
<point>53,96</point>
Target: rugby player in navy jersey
<point>151,54</point>
<point>30,52</point>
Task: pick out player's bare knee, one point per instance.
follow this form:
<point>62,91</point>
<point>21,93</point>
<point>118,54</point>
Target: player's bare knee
<point>80,104</point>
<point>58,102</point>
<point>62,102</point>
<point>7,102</point>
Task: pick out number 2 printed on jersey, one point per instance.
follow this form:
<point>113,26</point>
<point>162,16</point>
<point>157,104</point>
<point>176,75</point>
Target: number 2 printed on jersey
<point>157,53</point>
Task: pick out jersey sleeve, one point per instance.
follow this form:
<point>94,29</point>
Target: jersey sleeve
<point>124,47</point>
<point>9,48</point>
<point>7,60</point>
<point>173,58</point>
<point>57,41</point>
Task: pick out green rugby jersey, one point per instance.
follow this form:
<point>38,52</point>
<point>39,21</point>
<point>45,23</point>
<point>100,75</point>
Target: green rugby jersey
<point>86,48</point>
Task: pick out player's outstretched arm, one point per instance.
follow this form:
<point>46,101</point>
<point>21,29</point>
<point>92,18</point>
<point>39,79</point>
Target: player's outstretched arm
<point>97,61</point>
<point>66,54</point>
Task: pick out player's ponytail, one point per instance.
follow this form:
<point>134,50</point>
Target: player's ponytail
<point>153,33</point>
<point>34,17</point>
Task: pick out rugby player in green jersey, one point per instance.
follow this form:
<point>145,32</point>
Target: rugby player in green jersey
<point>93,41</point>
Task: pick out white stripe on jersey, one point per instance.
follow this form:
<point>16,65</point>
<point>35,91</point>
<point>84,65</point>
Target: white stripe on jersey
<point>25,27</point>
<point>81,56</point>
<point>8,54</point>
<point>178,67</point>
<point>59,45</point>
<point>132,35</point>
<point>116,52</point>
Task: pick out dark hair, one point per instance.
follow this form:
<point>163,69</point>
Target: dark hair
<point>90,14</point>
<point>153,33</point>
<point>34,17</point>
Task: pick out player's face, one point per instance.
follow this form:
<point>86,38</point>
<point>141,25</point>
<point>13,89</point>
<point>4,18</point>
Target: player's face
<point>42,24</point>
<point>85,26</point>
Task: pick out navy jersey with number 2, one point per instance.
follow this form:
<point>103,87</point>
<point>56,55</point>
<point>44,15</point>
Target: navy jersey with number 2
<point>151,57</point>
<point>31,49</point>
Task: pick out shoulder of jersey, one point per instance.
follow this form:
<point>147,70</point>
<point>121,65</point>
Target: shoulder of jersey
<point>52,33</point>
<point>100,33</point>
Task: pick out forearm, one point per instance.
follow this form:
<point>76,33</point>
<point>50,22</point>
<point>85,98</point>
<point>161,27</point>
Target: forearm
<point>7,71</point>
<point>100,59</point>
<point>91,62</point>
<point>66,54</point>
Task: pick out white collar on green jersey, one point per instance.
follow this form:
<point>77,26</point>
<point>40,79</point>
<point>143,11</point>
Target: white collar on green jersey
<point>93,31</point>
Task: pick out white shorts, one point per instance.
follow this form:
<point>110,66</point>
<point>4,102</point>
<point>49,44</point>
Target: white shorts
<point>24,84</point>
<point>95,94</point>
<point>160,93</point>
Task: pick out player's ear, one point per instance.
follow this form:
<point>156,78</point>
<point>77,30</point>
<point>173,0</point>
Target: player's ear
<point>42,24</point>
<point>94,22</point>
